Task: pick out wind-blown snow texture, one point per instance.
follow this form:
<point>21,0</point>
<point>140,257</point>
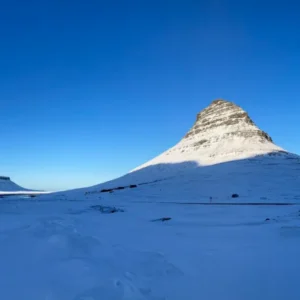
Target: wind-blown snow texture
<point>108,241</point>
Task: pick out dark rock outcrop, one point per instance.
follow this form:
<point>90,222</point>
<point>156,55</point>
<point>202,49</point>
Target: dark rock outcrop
<point>224,113</point>
<point>162,219</point>
<point>132,186</point>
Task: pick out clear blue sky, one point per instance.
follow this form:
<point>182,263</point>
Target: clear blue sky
<point>91,89</point>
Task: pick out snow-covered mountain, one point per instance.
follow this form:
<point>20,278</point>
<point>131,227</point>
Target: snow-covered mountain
<point>6,185</point>
<point>9,188</point>
<point>223,153</point>
<point>222,132</point>
<point>138,237</point>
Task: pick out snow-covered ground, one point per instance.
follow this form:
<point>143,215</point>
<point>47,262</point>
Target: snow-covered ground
<point>109,242</point>
<point>26,192</point>
<point>90,244</point>
<point>68,250</point>
<point>265,179</point>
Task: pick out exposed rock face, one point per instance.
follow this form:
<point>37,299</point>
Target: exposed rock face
<point>225,114</point>
<point>222,132</point>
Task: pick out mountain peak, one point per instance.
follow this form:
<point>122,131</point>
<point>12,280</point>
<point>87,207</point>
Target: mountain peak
<point>220,101</point>
<point>223,131</point>
<point>228,118</point>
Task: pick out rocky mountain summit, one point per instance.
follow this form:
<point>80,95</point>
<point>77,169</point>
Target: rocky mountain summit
<point>222,132</point>
<point>226,115</point>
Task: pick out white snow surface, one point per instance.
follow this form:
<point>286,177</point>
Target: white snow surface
<point>61,247</point>
<point>66,250</point>
<point>208,250</point>
<point>89,244</point>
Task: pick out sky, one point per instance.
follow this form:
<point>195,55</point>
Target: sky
<point>91,89</point>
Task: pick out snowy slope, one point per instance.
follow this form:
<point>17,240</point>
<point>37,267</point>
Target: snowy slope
<point>223,153</point>
<point>265,179</point>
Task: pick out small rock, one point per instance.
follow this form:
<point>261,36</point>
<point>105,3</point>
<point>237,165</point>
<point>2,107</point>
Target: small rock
<point>267,219</point>
<point>162,219</point>
<point>106,191</point>
<point>132,186</point>
<point>234,195</point>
